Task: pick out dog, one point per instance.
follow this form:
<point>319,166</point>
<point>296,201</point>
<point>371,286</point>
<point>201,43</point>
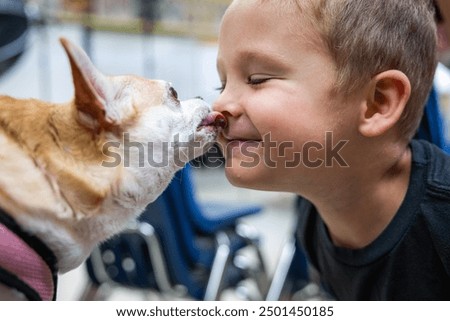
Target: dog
<point>71,174</point>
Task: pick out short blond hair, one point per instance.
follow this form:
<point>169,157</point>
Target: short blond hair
<point>367,37</point>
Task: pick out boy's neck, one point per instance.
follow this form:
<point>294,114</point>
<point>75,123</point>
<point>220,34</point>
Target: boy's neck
<point>355,216</point>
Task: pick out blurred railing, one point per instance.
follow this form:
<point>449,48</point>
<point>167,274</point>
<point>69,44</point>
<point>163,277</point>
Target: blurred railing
<point>192,18</point>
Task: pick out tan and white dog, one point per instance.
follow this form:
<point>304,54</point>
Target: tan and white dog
<point>57,182</point>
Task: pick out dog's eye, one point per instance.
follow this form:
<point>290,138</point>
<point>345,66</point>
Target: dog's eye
<point>173,92</point>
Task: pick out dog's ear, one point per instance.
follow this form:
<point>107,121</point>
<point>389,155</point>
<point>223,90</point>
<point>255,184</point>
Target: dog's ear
<point>92,89</point>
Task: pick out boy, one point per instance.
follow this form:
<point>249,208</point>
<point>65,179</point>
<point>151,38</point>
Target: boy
<point>322,99</point>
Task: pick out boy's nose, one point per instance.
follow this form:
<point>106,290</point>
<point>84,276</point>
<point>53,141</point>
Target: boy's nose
<point>228,105</point>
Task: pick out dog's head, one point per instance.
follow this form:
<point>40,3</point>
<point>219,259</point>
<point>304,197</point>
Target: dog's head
<point>142,112</point>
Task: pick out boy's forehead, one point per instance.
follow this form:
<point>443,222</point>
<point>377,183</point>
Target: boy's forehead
<point>293,14</point>
<point>275,5</point>
<point>283,20</point>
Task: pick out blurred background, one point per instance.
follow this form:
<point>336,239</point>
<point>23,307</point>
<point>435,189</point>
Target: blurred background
<point>167,39</point>
<point>173,40</point>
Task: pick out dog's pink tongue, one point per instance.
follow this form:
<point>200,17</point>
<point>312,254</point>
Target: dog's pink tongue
<point>215,119</point>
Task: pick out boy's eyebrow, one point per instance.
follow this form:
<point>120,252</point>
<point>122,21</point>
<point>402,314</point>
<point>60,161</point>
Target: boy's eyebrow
<point>263,58</point>
<point>270,60</point>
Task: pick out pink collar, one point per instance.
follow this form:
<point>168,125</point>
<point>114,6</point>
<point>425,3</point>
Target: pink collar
<point>26,264</point>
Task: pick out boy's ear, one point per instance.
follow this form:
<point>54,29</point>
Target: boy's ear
<point>92,89</point>
<point>387,97</point>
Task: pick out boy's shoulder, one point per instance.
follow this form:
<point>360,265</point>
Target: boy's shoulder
<point>435,201</point>
<point>437,165</point>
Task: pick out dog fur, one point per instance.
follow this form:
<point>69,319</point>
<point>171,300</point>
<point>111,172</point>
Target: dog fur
<point>53,181</point>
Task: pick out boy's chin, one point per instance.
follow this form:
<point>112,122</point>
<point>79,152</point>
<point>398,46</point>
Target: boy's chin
<point>252,178</point>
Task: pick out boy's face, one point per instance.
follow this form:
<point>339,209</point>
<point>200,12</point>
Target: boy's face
<point>278,99</point>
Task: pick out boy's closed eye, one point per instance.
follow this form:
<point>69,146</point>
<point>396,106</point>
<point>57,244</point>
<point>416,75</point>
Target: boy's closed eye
<point>253,80</point>
<point>256,80</point>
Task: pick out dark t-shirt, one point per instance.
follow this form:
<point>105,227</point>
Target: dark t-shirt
<point>410,259</point>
